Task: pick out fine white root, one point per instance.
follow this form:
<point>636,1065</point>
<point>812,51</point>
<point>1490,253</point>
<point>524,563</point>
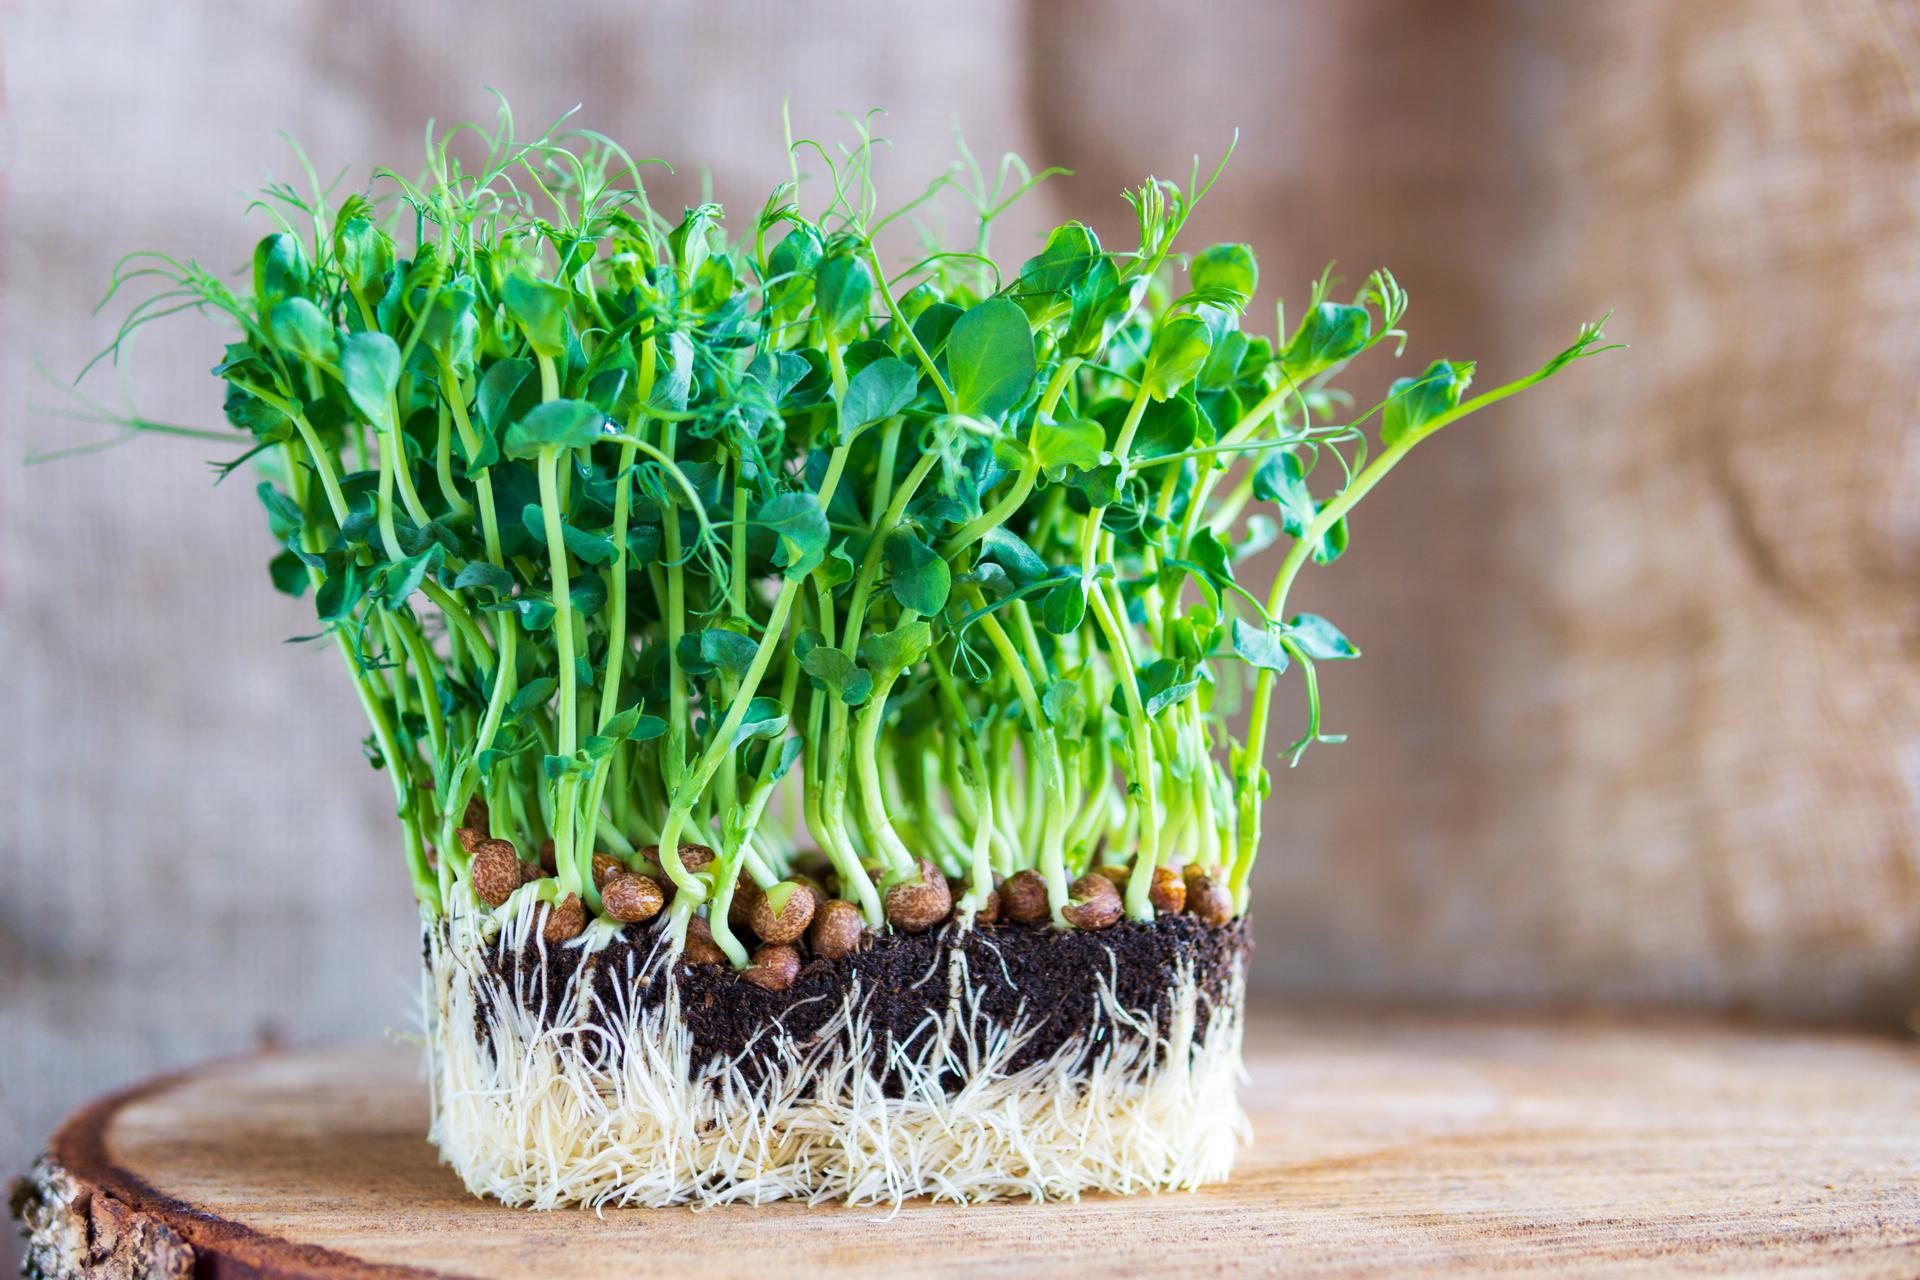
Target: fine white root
<point>609,1109</point>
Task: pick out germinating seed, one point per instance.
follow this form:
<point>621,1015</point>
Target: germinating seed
<point>631,898</point>
<point>782,913</point>
<point>916,905</point>
<point>701,948</point>
<point>1023,897</point>
<point>469,838</point>
<point>775,966</point>
<point>1093,903</point>
<point>605,866</point>
<point>1168,892</point>
<point>815,889</point>
<point>566,920</point>
<point>494,872</point>
<point>837,930</point>
<point>1209,898</point>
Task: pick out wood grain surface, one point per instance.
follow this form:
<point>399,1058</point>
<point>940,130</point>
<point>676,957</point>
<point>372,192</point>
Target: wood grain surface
<point>1386,1144</point>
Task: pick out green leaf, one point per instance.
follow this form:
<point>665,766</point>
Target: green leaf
<point>481,576</point>
<point>1281,479</point>
<point>588,594</point>
<point>589,547</point>
<point>306,334</point>
<point>878,391</point>
<point>1077,444</point>
<point>1414,402</point>
<point>920,579</point>
<point>1064,709</point>
<point>1046,281</point>
<point>1328,334</point>
<point>279,269</point>
<point>894,651</point>
<point>790,270</point>
<point>1070,252</point>
<point>1166,427</point>
<point>535,693</point>
<point>646,729</point>
<point>1333,544</point>
<point>1319,639</point>
<point>500,397</point>
<point>1179,349</point>
<point>674,385</point>
<point>1259,647</point>
<point>1022,563</point>
<point>539,307</point>
<point>365,255</point>
<point>991,359</point>
<point>1172,694</point>
<point>717,649</point>
<point>1099,304</point>
<point>448,324</point>
<point>1064,608</point>
<point>557,424</point>
<point>842,288</point>
<point>289,574</point>
<point>789,753</point>
<point>1162,683</point>
<point>834,671</point>
<point>405,576</point>
<point>1213,556</point>
<point>370,368</point>
<point>1226,266</point>
<point>765,718</point>
<point>340,589</point>
<point>801,527</point>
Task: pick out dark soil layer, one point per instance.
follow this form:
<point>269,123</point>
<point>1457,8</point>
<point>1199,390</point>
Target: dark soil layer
<point>1044,978</point>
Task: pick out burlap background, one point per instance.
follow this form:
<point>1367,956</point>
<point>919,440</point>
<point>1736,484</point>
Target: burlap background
<point>1638,719</point>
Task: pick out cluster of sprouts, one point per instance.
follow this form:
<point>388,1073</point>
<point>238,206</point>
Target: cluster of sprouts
<point>636,539</point>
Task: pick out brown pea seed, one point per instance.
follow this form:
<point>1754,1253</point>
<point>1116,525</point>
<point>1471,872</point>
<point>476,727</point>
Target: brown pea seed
<point>1209,899</point>
<point>470,838</point>
<point>836,930</point>
<point>916,905</point>
<point>549,861</point>
<point>988,912</point>
<point>1023,897</point>
<point>631,899</point>
<point>1095,903</point>
<point>476,816</point>
<point>605,867</point>
<point>1115,874</point>
<point>701,948</point>
<point>814,888</point>
<point>1168,893</point>
<point>775,966</point>
<point>495,872</point>
<point>566,920</point>
<point>781,914</point>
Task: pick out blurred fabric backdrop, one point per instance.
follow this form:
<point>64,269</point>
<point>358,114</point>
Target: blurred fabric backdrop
<point>1639,717</point>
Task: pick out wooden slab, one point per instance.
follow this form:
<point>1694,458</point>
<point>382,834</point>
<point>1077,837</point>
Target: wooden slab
<point>1397,1145</point>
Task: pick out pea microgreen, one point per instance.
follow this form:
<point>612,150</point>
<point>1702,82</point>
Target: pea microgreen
<point>646,535</point>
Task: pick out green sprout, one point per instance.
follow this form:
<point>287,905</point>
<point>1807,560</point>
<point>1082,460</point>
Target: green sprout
<point>639,542</point>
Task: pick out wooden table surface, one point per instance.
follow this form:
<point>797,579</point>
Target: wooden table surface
<point>1385,1145</point>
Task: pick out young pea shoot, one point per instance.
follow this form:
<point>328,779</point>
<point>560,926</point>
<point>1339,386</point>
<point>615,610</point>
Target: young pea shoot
<point>786,598</point>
